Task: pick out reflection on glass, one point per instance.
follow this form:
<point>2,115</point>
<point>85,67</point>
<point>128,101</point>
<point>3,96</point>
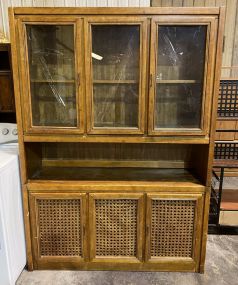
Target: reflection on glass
<point>115,105</point>
<point>115,75</point>
<point>179,76</point>
<point>178,106</point>
<point>52,74</point>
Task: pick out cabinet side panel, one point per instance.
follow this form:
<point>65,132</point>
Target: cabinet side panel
<point>14,51</point>
<point>212,130</point>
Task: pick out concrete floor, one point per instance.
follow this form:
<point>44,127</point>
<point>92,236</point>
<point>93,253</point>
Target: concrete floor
<point>228,183</point>
<point>221,269</point>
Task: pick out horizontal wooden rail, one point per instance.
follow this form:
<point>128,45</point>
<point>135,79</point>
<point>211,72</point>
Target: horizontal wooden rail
<point>114,163</point>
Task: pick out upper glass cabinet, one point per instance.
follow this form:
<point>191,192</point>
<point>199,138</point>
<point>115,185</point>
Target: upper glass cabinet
<point>93,74</point>
<point>53,77</point>
<point>116,85</point>
<point>178,78</point>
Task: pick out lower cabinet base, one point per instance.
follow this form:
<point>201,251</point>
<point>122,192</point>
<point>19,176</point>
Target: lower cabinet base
<point>142,231</point>
<point>166,266</point>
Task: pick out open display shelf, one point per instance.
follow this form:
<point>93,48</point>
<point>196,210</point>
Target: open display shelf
<point>114,174</point>
<point>116,130</point>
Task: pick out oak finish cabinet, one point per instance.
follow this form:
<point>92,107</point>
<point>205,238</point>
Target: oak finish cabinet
<point>116,112</point>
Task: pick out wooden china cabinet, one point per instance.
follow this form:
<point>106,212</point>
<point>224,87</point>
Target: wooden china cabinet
<point>116,113</point>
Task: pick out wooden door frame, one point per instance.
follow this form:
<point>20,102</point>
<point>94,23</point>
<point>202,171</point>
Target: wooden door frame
<point>210,22</point>
<point>140,227</point>
<point>171,261</point>
<point>110,20</point>
<point>40,261</point>
<point>76,23</point>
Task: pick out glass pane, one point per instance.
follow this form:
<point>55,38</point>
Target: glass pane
<point>115,75</point>
<point>52,75</point>
<point>179,76</point>
<point>178,106</point>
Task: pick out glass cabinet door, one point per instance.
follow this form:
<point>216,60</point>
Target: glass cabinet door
<point>53,77</point>
<point>116,86</point>
<point>178,79</point>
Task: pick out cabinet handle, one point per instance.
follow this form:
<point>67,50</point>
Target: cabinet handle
<point>78,79</point>
<point>151,78</point>
<point>147,230</point>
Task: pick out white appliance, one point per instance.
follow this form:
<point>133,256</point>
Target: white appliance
<point>8,132</point>
<point>12,239</point>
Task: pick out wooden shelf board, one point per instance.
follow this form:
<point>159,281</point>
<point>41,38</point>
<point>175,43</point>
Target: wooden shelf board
<point>53,99</point>
<point>115,174</point>
<point>7,111</point>
<point>5,72</point>
<point>51,81</point>
<point>177,81</point>
<point>115,81</point>
<point>115,163</point>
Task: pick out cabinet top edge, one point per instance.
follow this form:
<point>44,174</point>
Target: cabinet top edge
<point>116,11</point>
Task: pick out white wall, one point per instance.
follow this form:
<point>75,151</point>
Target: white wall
<point>4,4</point>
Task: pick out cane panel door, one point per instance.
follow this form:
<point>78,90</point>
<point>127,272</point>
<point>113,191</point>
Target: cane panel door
<point>58,223</point>
<point>116,227</point>
<point>173,228</point>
